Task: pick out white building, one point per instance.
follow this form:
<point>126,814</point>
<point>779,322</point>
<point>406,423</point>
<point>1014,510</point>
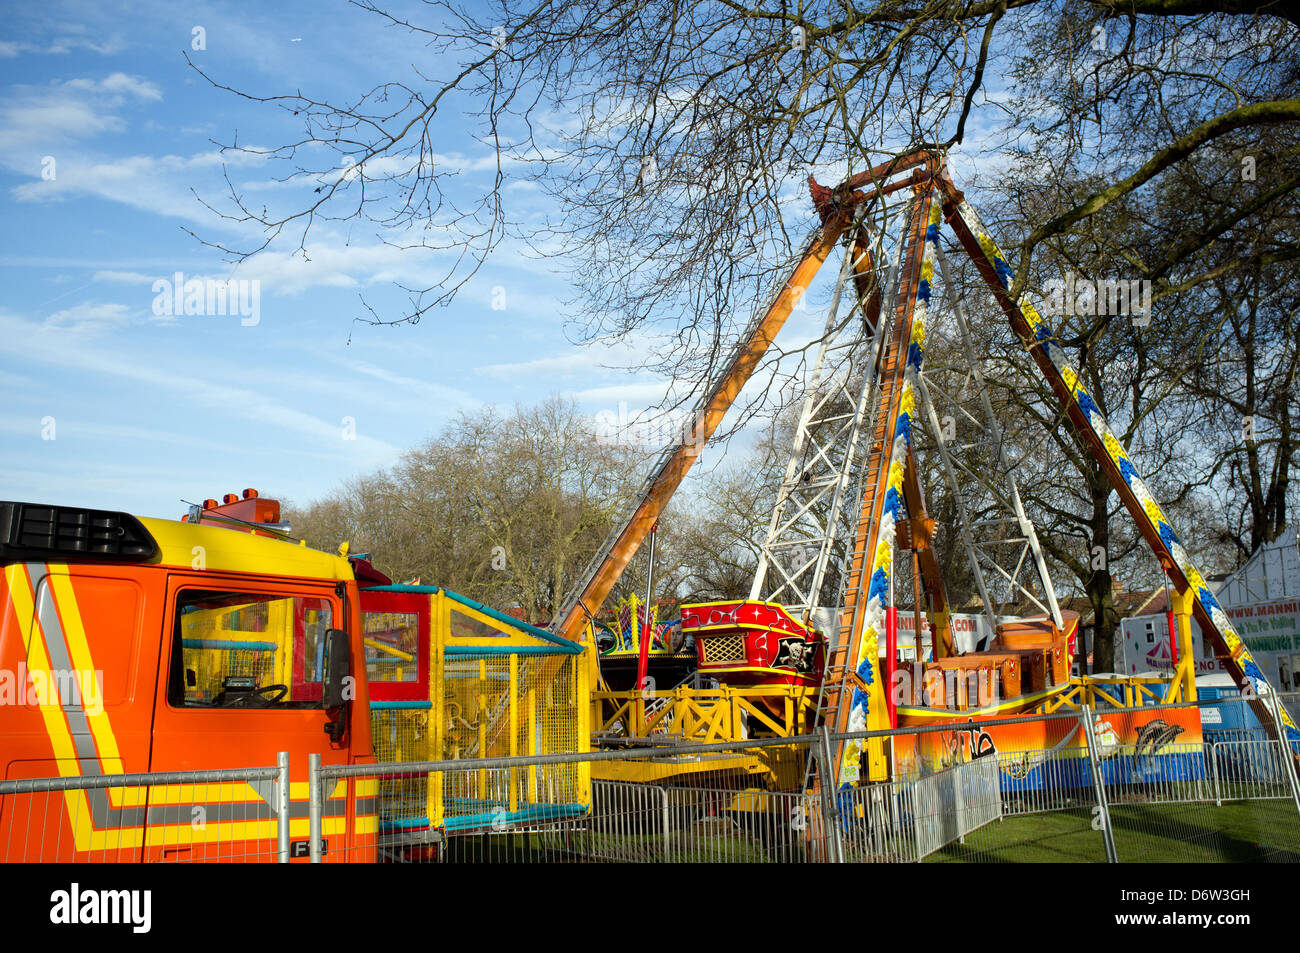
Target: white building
<point>1262,599</point>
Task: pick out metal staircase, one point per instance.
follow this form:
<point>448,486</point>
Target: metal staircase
<point>841,677</point>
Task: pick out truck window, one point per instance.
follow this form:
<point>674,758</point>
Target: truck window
<point>247,650</point>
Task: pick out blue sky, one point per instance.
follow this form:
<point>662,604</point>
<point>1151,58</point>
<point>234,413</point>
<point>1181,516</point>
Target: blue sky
<point>146,409</point>
<point>105,137</point>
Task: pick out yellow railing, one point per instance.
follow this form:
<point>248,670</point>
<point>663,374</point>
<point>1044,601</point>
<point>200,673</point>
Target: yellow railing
<point>728,713</point>
<point>1131,691</point>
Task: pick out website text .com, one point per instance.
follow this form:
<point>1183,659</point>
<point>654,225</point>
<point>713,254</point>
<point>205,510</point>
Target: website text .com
<point>1203,920</point>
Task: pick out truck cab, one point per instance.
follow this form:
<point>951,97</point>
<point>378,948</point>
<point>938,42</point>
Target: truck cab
<point>132,645</point>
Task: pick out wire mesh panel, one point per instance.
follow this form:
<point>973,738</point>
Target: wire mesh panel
<point>1248,770</point>
<point>554,686</point>
<point>908,820</point>
<point>400,733</point>
<point>1048,814</point>
<point>878,823</point>
<point>712,807</point>
<point>724,825</point>
<point>1065,835</point>
<point>1227,801</point>
<point>502,706</point>
<point>453,680</point>
<point>1035,782</point>
<point>174,817</point>
<point>1175,773</point>
<point>628,822</point>
<point>1202,832</point>
<point>741,802</point>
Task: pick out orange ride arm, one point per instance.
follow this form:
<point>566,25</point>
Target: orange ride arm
<point>673,466</point>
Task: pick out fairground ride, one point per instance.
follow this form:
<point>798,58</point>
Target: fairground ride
<point>850,511</point>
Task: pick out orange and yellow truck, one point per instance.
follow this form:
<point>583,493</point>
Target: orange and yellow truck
<point>132,645</point>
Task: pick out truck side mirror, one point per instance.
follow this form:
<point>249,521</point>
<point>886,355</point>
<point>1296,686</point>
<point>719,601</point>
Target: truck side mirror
<point>336,682</point>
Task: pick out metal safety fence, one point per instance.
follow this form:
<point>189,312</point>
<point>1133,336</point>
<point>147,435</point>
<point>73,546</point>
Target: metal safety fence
<point>242,815</point>
<point>1229,798</point>
<point>714,803</point>
<point>907,821</point>
<point>698,803</point>
<point>1075,794</point>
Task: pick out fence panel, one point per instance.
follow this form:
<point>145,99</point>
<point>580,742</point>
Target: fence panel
<point>725,825</point>
<point>1223,801</point>
<point>738,803</point>
<point>878,823</point>
<point>908,820</point>
<point>1047,812</point>
<point>173,817</point>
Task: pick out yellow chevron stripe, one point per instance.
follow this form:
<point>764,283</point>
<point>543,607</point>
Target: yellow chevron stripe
<point>169,835</point>
<point>22,592</point>
<point>101,728</point>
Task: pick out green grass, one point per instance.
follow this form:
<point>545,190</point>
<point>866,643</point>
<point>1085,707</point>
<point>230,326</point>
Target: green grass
<point>1237,832</point>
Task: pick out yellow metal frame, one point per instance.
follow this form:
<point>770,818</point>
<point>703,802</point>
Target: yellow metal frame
<point>704,715</point>
<point>1183,682</point>
<point>523,706</point>
<point>778,768</point>
<point>1131,691</point>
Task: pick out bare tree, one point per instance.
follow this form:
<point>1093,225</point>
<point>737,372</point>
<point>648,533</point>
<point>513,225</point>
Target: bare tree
<point>675,137</point>
<point>501,508</point>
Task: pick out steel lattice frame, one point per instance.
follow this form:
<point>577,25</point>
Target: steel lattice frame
<point>1010,555</point>
<point>825,457</point>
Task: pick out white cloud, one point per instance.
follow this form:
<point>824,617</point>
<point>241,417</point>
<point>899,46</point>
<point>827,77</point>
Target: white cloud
<point>124,277</point>
<point>330,263</point>
<point>436,394</point>
<point>90,317</point>
<point>60,45</point>
<point>94,429</point>
<point>601,358</point>
<point>47,117</point>
<point>580,361</point>
<point>61,347</point>
<point>117,85</point>
<point>27,127</point>
<point>645,392</point>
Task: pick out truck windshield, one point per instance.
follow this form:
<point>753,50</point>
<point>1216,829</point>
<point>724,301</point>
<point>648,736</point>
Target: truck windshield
<point>248,650</point>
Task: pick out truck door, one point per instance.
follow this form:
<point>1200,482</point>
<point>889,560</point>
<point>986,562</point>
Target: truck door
<point>77,643</point>
<point>239,681</point>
